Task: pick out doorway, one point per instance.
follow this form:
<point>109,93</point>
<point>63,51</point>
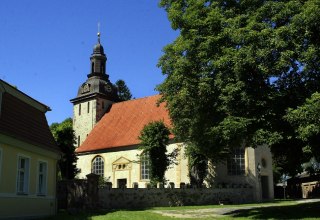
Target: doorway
<point>122,183</point>
<point>265,187</point>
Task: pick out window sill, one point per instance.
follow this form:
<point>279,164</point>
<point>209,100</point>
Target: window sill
<point>22,194</point>
<point>41,195</point>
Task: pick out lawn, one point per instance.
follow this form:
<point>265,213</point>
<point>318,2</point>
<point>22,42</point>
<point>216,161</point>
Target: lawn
<point>278,210</point>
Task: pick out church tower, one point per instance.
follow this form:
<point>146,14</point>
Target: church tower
<point>95,96</point>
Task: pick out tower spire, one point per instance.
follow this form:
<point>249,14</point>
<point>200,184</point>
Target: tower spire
<point>98,60</point>
<point>98,33</point>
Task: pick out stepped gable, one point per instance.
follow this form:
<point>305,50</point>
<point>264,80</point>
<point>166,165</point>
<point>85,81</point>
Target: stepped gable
<point>121,126</point>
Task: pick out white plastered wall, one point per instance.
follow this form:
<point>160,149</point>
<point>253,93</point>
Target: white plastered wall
<point>253,157</point>
<point>131,171</point>
<point>178,173</point>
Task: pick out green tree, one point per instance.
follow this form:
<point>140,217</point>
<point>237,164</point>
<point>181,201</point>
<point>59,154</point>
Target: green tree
<point>235,69</point>
<point>65,138</point>
<point>198,166</point>
<point>154,139</point>
<point>123,90</point>
<point>305,120</point>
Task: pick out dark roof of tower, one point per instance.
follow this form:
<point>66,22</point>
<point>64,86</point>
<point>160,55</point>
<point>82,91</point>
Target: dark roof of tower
<point>98,49</point>
<point>98,83</point>
<point>96,86</point>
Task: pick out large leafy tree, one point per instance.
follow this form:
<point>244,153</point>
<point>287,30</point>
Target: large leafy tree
<point>235,69</point>
<point>65,138</point>
<point>123,90</point>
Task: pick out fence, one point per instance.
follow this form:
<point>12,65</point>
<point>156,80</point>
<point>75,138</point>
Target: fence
<point>85,194</point>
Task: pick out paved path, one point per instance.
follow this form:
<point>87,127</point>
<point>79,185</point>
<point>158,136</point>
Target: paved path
<point>218,212</point>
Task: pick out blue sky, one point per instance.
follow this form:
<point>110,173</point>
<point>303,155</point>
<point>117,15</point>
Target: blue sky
<point>45,46</point>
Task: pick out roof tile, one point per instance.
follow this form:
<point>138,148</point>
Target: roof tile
<point>121,126</point>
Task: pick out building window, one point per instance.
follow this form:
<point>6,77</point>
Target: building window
<point>144,166</point>
<point>42,178</point>
<point>236,162</point>
<point>79,109</point>
<point>79,141</point>
<point>88,107</point>
<point>23,175</point>
<point>264,163</point>
<point>98,166</point>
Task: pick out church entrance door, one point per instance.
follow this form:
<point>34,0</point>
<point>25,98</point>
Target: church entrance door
<point>265,187</point>
<point>122,183</point>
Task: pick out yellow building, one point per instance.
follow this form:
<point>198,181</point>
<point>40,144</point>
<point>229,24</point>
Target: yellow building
<point>28,157</point>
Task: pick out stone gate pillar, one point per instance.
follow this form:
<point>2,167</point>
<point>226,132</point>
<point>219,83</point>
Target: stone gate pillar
<point>93,190</point>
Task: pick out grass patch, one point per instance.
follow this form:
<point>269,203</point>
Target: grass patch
<point>278,210</point>
<point>114,215</point>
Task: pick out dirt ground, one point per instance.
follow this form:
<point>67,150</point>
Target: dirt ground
<point>216,212</point>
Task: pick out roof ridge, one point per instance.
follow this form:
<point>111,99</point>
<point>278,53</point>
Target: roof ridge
<point>14,91</point>
<point>138,99</point>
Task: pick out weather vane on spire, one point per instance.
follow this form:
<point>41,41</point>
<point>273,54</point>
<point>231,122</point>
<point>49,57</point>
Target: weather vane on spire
<point>98,32</point>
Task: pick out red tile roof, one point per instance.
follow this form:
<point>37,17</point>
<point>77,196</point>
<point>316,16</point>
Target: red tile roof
<point>121,126</point>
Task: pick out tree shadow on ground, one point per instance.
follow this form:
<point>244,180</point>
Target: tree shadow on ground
<point>299,211</point>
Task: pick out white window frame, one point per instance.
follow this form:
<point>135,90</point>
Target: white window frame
<point>42,187</point>
<point>236,163</point>
<point>26,172</point>
<point>97,167</point>
<point>144,167</point>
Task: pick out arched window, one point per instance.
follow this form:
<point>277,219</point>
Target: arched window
<point>144,166</point>
<point>92,67</point>
<point>98,166</point>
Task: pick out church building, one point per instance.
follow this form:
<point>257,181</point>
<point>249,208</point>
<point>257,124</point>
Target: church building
<point>107,138</point>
